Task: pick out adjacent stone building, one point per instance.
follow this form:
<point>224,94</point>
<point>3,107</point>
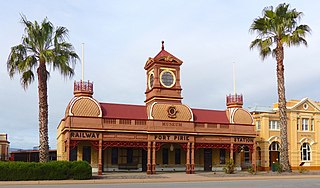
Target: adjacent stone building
<point>303,134</point>
<point>4,147</point>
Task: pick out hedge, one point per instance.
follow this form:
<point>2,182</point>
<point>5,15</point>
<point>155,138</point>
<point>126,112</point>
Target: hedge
<point>54,170</point>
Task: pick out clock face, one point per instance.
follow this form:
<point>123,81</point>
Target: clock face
<point>151,80</point>
<point>167,78</point>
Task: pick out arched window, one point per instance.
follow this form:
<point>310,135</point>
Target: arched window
<point>305,152</point>
<point>274,146</point>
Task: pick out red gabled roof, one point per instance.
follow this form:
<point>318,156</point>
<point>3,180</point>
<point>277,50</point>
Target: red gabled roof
<point>124,111</point>
<point>163,52</point>
<point>210,116</point>
<point>128,111</point>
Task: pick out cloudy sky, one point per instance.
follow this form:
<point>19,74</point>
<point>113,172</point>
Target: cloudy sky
<point>119,36</point>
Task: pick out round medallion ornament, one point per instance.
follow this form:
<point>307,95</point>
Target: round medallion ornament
<point>172,112</point>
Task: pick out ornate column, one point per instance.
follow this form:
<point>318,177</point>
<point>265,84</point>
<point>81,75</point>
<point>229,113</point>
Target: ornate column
<point>231,152</point>
<point>254,156</point>
<point>188,159</point>
<point>149,159</point>
<point>154,158</point>
<point>100,158</point>
<point>68,146</point>
<point>192,158</point>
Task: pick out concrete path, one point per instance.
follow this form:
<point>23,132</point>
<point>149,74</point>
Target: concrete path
<point>116,178</point>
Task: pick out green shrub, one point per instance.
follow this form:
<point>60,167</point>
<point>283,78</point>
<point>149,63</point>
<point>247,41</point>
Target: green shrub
<point>55,170</point>
<point>80,170</point>
<point>302,170</point>
<point>277,167</point>
<point>229,168</point>
<point>251,170</point>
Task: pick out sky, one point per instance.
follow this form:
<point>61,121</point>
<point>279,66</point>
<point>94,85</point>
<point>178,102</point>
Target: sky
<point>119,36</point>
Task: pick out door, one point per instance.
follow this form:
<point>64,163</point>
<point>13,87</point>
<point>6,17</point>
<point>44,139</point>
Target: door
<point>86,155</point>
<point>274,157</point>
<point>73,154</point>
<point>144,160</point>
<point>208,159</point>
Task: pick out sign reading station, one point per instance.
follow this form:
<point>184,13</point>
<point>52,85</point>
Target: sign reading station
<point>243,139</point>
<point>85,135</point>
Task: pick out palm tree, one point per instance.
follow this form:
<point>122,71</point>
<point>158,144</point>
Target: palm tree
<point>41,45</point>
<point>278,28</point>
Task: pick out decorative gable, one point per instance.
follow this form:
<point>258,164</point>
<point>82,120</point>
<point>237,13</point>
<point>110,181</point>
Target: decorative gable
<point>305,104</point>
<point>84,106</point>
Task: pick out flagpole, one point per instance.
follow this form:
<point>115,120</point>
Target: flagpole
<point>234,79</point>
<point>82,76</point>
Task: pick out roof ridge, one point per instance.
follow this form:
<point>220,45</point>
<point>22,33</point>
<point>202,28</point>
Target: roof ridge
<point>122,104</point>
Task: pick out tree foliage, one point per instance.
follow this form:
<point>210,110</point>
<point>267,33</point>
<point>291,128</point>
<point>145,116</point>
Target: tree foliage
<point>42,45</point>
<point>276,29</point>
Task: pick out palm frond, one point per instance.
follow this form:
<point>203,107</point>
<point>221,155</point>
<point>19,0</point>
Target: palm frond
<point>41,42</point>
<point>26,79</point>
<point>278,25</point>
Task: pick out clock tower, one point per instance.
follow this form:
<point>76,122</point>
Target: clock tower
<point>163,78</point>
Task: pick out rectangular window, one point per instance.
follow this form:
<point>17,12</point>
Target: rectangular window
<point>312,124</point>
<point>177,156</point>
<point>86,154</point>
<point>258,126</point>
<point>246,156</point>
<point>114,156</point>
<point>129,156</point>
<point>165,156</point>
<point>222,156</point>
<point>274,125</point>
<point>73,154</point>
<point>305,122</point>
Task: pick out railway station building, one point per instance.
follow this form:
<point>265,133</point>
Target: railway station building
<point>163,134</point>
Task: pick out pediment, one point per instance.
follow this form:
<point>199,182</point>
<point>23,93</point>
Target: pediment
<point>306,104</point>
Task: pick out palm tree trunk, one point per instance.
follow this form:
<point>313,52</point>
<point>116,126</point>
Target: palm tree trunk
<point>284,154</point>
<point>43,112</point>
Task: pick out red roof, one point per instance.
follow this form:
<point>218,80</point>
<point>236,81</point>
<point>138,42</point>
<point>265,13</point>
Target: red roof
<point>127,111</point>
<point>163,52</point>
<point>210,116</point>
<point>124,111</point>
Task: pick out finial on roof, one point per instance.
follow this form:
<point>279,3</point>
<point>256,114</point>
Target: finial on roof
<point>162,45</point>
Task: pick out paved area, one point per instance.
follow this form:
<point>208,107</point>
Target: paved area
<point>116,178</point>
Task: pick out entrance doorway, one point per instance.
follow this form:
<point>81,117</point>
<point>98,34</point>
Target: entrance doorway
<point>144,160</point>
<point>208,159</point>
<point>86,154</point>
<point>274,153</point>
<point>73,154</point>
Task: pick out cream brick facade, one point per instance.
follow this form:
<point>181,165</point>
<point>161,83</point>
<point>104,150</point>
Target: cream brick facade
<point>303,134</point>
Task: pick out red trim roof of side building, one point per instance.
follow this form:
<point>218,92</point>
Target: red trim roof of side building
<point>128,111</point>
